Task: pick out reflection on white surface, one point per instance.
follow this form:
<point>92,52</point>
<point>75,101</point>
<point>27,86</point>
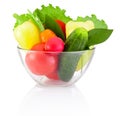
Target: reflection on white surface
<point>54,101</point>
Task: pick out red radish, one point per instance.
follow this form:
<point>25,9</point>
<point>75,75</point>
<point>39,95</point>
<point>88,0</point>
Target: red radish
<point>62,25</point>
<point>39,47</point>
<point>54,44</point>
<point>40,63</point>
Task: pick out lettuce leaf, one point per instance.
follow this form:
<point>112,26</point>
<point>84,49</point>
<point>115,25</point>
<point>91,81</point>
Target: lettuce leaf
<point>97,23</point>
<point>54,12</point>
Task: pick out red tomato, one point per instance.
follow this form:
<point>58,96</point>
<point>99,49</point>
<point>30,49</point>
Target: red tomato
<point>39,47</point>
<point>54,44</point>
<point>41,63</point>
<point>53,75</point>
<point>62,25</point>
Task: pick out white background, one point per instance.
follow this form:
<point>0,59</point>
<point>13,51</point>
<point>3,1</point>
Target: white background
<point>97,93</point>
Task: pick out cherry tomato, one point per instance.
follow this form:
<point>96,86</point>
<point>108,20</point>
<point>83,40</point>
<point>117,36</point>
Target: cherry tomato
<point>40,63</point>
<point>54,44</point>
<point>39,47</point>
<point>62,25</point>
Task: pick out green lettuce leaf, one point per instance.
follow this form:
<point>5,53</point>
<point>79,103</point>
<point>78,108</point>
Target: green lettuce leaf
<point>54,12</point>
<point>97,23</point>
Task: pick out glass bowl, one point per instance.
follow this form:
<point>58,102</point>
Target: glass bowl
<point>54,68</point>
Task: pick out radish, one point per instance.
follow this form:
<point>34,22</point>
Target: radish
<point>54,44</point>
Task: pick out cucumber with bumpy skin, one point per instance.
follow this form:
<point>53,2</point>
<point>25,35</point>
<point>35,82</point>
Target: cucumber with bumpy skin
<point>67,65</point>
<point>76,41</point>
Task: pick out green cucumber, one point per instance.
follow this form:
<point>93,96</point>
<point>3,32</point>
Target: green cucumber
<point>68,61</point>
<point>77,40</point>
<point>67,65</point>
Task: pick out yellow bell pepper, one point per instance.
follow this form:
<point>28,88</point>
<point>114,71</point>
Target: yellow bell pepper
<point>27,34</point>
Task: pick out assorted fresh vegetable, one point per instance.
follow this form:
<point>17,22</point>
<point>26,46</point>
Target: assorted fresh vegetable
<point>50,36</point>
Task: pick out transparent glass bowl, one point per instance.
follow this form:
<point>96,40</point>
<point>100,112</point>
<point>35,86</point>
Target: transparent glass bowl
<point>55,69</point>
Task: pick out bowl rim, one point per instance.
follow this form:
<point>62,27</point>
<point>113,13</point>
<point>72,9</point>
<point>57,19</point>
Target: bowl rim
<point>20,48</point>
